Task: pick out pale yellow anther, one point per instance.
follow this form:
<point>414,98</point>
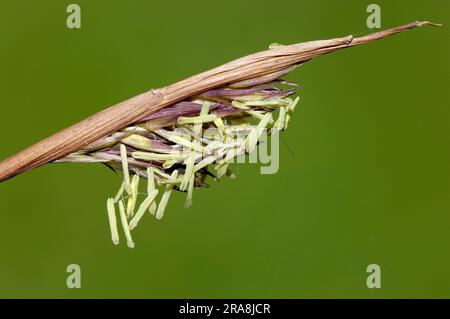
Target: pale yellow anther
<point>165,197</point>
<point>182,120</point>
<point>190,191</point>
<point>142,209</point>
<point>112,221</point>
<point>150,188</point>
<point>147,156</point>
<point>119,193</point>
<point>131,203</point>
<point>126,173</point>
<point>126,228</point>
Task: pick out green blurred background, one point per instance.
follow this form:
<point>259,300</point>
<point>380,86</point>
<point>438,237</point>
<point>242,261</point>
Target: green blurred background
<point>368,179</point>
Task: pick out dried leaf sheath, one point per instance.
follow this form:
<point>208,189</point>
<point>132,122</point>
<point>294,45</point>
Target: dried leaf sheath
<point>116,117</point>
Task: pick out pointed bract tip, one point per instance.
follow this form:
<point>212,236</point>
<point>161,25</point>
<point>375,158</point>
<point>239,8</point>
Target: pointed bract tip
<point>421,23</point>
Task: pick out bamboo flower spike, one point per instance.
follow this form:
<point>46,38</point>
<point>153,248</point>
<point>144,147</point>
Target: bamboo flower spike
<point>173,135</point>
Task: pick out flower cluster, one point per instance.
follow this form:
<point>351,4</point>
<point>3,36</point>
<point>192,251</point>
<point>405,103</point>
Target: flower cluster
<point>178,147</point>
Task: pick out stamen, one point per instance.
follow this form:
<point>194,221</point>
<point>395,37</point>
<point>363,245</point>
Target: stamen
<point>119,193</point>
<point>177,139</point>
<point>196,119</point>
<point>188,172</point>
<point>280,122</point>
<point>131,204</point>
<point>165,197</point>
<point>126,173</point>
<point>259,115</point>
<point>169,163</point>
<point>150,188</point>
<point>146,156</point>
<point>144,143</point>
<point>221,126</point>
<point>221,169</point>
<point>273,102</point>
<point>126,228</point>
<point>142,208</point>
<point>290,110</point>
<point>294,104</point>
<point>204,162</point>
<point>190,192</point>
<point>204,111</point>
<point>253,137</point>
<point>112,221</point>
